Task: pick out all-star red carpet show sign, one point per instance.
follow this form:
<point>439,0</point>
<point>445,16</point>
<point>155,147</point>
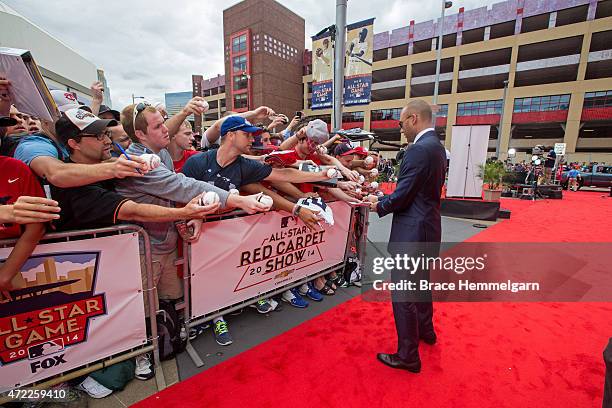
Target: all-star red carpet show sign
<point>243,257</point>
<point>47,322</point>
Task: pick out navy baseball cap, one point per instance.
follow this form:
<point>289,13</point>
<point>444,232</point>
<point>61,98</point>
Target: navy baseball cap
<point>234,123</point>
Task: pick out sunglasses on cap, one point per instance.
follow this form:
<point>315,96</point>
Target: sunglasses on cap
<point>137,110</point>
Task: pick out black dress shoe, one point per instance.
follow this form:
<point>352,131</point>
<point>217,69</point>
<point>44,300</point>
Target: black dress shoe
<point>430,338</point>
<point>393,361</point>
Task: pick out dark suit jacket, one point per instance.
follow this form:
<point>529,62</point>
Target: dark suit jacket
<point>415,203</point>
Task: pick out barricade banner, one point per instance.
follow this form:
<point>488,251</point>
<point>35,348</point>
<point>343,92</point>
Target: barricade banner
<point>240,258</point>
<point>77,302</point>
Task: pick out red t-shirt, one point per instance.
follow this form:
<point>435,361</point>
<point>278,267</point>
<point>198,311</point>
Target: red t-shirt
<point>305,187</point>
<point>178,165</point>
<point>16,179</point>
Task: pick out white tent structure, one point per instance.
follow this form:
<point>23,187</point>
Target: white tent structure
<point>61,66</point>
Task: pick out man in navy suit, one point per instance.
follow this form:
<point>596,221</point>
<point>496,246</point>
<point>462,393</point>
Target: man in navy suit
<point>416,229</point>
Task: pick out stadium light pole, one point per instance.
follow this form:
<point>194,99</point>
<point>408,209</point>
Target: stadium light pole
<point>445,4</point>
<point>339,62</point>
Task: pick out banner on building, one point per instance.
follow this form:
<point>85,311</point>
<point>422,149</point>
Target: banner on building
<point>240,258</point>
<point>359,56</point>
<point>76,302</point>
<point>322,72</point>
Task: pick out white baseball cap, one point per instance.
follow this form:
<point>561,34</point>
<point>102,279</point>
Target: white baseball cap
<point>316,130</point>
<point>78,121</point>
<point>66,100</point>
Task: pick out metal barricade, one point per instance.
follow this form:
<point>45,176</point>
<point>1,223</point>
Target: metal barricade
<point>359,221</point>
<point>151,292</point>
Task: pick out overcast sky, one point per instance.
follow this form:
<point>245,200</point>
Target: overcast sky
<point>149,47</point>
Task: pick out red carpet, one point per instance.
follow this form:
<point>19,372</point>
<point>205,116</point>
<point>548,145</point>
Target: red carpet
<point>488,354</point>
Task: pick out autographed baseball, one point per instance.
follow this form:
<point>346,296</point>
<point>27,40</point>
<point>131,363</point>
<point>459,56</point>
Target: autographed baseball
<point>368,160</point>
<point>358,191</point>
<point>333,173</point>
<point>152,160</point>
<point>374,172</point>
<point>204,105</point>
<point>374,185</point>
<point>361,179</point>
<point>233,191</point>
<point>265,200</point>
<point>209,198</point>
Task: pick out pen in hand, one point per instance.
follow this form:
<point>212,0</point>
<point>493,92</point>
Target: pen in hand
<point>125,154</point>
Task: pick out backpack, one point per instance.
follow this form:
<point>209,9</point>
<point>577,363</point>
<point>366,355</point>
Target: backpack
<point>116,376</point>
<point>169,331</point>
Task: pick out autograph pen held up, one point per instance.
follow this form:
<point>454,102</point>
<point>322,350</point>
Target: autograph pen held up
<point>125,154</point>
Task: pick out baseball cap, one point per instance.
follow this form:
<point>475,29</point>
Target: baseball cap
<point>343,149</point>
<point>77,121</point>
<point>316,130</point>
<point>7,121</point>
<point>233,123</point>
<point>105,109</point>
<point>66,100</point>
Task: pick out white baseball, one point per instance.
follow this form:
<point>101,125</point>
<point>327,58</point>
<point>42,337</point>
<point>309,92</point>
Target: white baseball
<point>265,200</point>
<point>374,172</point>
<point>204,105</point>
<point>369,160</point>
<point>358,191</point>
<point>210,197</point>
<point>233,191</point>
<point>152,160</point>
<point>380,194</point>
<point>333,173</point>
<point>374,185</point>
<point>361,179</point>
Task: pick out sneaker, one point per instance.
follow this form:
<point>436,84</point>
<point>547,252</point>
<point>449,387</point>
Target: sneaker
<point>197,330</point>
<point>293,297</point>
<point>275,305</point>
<point>222,335</point>
<point>263,306</point>
<point>94,389</point>
<point>144,369</point>
<point>309,290</point>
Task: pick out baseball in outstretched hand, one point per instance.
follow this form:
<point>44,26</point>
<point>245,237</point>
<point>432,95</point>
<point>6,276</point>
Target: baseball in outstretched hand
<point>151,160</point>
<point>210,197</point>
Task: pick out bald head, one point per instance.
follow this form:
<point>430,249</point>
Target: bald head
<point>421,108</point>
<point>415,117</point>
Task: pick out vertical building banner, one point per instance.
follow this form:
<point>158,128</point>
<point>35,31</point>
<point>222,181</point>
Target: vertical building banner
<point>359,53</point>
<point>74,303</point>
<point>322,72</point>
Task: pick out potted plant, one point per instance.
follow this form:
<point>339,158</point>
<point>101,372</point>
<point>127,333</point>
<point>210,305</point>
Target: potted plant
<point>492,173</point>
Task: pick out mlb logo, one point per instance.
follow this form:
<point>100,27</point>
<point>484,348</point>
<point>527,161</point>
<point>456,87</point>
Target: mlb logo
<point>285,221</point>
<point>45,349</point>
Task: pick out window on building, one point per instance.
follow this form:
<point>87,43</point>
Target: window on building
<point>240,63</point>
<point>479,108</point>
<point>239,43</point>
<point>541,103</point>
<point>240,101</point>
<point>443,111</point>
<point>352,117</point>
<point>240,82</point>
<point>386,114</point>
<point>601,99</point>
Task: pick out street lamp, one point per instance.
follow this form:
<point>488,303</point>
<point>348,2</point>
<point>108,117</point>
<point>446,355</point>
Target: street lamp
<point>134,98</point>
<point>445,4</point>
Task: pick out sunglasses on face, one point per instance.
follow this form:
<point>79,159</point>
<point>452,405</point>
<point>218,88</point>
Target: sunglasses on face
<point>99,136</point>
<point>137,110</point>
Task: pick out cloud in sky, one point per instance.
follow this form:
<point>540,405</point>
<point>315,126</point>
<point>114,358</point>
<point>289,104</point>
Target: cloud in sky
<point>149,47</point>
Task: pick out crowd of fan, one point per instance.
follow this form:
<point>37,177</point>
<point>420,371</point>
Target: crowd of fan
<point>90,169</point>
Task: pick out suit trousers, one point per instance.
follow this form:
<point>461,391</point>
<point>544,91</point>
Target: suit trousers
<point>413,315</point>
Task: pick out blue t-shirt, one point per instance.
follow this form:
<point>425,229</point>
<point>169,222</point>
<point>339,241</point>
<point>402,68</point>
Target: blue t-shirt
<point>35,146</point>
<point>204,167</point>
<point>573,173</point>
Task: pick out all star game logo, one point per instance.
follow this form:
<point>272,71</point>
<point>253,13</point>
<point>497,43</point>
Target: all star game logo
<point>51,309</point>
